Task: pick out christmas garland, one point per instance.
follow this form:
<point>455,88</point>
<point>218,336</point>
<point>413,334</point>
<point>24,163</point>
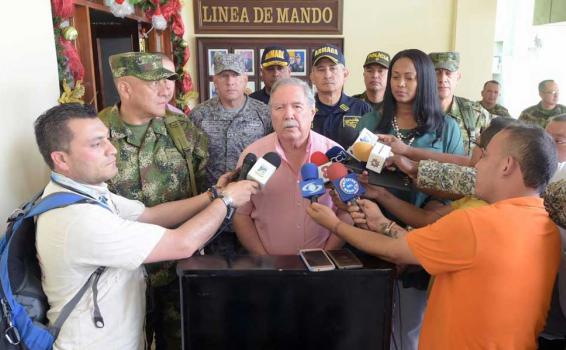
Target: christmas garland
<point>162,14</point>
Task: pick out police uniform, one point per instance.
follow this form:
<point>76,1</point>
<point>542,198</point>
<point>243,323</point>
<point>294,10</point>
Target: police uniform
<point>380,58</point>
<point>364,97</point>
<point>152,170</point>
<point>271,56</point>
<point>261,95</point>
<point>339,122</point>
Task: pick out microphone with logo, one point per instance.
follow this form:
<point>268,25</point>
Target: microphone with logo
<point>337,155</point>
<point>249,160</point>
<point>311,185</point>
<point>322,162</point>
<point>264,168</point>
<point>346,185</point>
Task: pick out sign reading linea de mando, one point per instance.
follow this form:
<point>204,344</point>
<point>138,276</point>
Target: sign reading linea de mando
<point>269,16</point>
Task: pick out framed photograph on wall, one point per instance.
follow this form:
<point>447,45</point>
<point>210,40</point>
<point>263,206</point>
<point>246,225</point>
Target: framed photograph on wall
<point>211,54</point>
<point>297,58</point>
<point>211,90</point>
<point>249,61</point>
<point>250,87</point>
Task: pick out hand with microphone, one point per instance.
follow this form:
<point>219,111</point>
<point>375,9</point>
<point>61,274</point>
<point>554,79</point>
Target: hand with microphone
<point>264,168</point>
<point>311,185</point>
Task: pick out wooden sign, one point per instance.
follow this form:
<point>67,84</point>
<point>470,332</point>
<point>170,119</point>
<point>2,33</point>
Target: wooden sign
<point>268,16</point>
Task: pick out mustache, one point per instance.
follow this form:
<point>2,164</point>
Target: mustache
<point>290,124</point>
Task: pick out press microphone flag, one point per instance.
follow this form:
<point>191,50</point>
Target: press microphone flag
<point>322,162</point>
<point>337,155</point>
<point>348,188</point>
<point>311,185</point>
<point>264,168</point>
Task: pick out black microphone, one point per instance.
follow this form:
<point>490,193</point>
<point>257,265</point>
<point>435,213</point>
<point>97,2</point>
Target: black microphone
<point>249,160</point>
<point>264,168</point>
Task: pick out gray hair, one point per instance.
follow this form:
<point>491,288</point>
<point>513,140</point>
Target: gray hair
<point>307,91</point>
<point>543,83</point>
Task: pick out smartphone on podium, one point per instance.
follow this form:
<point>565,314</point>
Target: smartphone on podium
<point>345,259</point>
<point>316,260</point>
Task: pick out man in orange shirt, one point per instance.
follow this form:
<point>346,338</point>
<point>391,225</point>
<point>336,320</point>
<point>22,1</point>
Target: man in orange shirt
<point>495,265</point>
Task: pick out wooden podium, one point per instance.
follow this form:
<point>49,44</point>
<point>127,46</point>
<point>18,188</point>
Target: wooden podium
<point>274,302</point>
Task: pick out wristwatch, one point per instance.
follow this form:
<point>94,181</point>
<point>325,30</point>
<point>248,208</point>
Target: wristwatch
<point>227,200</point>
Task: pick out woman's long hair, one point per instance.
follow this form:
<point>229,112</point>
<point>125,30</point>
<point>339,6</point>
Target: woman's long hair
<point>426,105</point>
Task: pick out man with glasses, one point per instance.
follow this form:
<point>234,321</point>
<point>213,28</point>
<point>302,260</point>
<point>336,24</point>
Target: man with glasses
<point>548,106</point>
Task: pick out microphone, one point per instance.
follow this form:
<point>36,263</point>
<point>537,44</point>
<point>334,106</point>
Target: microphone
<point>264,168</point>
<point>249,160</point>
<point>362,150</point>
<point>346,185</point>
<point>337,155</point>
<point>321,160</point>
<point>311,186</point>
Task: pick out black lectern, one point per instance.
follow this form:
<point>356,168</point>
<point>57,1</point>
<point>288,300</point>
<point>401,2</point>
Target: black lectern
<point>247,302</point>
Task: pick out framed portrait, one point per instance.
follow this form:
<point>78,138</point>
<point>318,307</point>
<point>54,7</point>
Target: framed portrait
<point>211,54</point>
<point>250,87</point>
<point>249,61</point>
<point>297,59</point>
<point>211,90</point>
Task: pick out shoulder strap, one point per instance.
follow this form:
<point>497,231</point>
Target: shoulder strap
<point>60,200</point>
<point>180,140</point>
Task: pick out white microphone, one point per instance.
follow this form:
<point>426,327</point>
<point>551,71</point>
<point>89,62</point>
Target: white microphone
<point>264,168</point>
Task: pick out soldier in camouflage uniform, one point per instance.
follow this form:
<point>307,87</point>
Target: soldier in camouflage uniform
<point>150,167</point>
<point>471,116</point>
<point>548,106</point>
<point>232,121</point>
<point>489,94</point>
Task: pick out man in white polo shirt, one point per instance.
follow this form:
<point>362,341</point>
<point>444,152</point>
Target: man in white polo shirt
<point>72,242</point>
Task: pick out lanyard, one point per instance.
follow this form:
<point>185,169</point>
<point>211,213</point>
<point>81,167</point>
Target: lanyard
<point>83,190</point>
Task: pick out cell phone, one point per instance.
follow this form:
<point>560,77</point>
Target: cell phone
<point>345,259</point>
<point>316,260</point>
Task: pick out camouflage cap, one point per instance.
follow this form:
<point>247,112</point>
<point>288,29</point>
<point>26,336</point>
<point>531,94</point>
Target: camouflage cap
<point>445,60</point>
<point>229,61</point>
<point>142,65</point>
<point>377,57</point>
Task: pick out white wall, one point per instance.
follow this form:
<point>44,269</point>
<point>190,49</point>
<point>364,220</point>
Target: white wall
<point>429,25</point>
<point>28,86</point>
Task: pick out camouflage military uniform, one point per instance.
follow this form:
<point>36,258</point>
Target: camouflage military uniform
<point>538,116</point>
<point>229,132</point>
<point>364,97</point>
<point>446,177</point>
<point>497,110</point>
<point>555,201</point>
<point>472,119</point>
<point>153,173</point>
